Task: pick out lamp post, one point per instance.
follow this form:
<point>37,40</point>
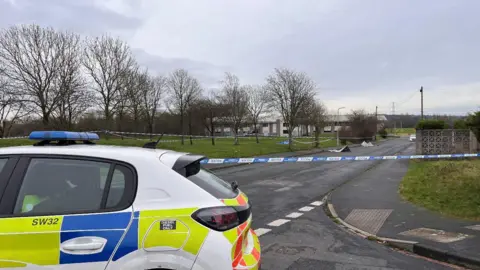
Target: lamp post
<point>338,116</point>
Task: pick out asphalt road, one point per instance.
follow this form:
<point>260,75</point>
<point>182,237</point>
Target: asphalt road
<point>308,239</point>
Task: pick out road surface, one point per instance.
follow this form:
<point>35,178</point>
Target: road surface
<point>307,238</point>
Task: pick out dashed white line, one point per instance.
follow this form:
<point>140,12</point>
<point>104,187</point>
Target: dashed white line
<point>261,231</point>
<point>282,189</point>
<point>306,208</point>
<point>278,222</point>
<point>317,203</point>
<point>294,215</point>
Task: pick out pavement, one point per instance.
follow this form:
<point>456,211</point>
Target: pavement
<point>371,202</point>
<point>295,232</point>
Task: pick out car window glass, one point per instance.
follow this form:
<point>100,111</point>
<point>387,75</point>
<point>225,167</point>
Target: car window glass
<point>213,184</point>
<point>3,161</point>
<point>61,185</point>
<point>117,188</point>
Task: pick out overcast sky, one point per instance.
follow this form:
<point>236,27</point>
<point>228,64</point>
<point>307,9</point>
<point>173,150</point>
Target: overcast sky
<point>361,53</point>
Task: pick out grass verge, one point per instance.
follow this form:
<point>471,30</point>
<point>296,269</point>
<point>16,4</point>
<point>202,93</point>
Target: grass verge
<point>451,188</point>
<point>401,131</point>
<point>223,146</point>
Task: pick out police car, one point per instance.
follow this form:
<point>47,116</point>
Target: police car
<point>67,203</point>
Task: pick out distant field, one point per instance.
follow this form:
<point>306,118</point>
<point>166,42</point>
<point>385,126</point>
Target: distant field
<point>223,146</point>
<point>401,130</point>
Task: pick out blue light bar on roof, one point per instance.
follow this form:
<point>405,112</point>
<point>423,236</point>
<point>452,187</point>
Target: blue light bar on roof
<point>63,135</point>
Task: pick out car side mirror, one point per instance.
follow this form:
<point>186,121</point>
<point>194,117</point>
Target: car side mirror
<point>234,185</point>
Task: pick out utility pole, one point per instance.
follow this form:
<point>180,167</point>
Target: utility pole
<point>421,102</point>
<point>394,121</point>
<point>376,122</point>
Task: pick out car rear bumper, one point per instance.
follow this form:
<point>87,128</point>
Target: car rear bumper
<point>242,253</point>
<point>250,258</point>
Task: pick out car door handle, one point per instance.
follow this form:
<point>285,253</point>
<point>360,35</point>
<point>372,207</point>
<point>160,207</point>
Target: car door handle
<point>84,245</point>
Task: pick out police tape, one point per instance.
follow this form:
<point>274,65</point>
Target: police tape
<point>243,136</point>
<point>324,158</point>
<point>11,138</point>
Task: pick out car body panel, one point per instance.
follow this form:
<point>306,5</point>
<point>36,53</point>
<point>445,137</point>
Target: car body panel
<point>139,237</point>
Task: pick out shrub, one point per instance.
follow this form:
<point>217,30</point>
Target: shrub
<point>383,132</point>
<point>431,124</point>
<point>460,124</point>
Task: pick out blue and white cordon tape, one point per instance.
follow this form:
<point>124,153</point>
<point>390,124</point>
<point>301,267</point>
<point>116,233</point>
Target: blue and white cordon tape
<point>320,158</point>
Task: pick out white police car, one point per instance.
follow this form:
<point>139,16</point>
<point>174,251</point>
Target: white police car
<point>66,203</point>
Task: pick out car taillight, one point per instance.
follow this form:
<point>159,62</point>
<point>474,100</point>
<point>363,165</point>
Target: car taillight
<point>221,218</point>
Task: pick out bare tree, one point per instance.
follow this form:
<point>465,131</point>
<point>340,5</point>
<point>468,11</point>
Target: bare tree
<point>32,57</point>
<point>235,99</point>
<point>210,112</point>
<point>183,90</point>
<point>289,91</point>
<point>136,83</point>
<point>314,114</point>
<point>257,101</point>
<point>107,61</point>
<point>363,126</point>
<point>11,108</point>
<point>151,97</point>
<point>76,98</point>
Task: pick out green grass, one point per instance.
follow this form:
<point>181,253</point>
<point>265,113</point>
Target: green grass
<point>401,131</point>
<point>451,188</point>
<point>223,146</point>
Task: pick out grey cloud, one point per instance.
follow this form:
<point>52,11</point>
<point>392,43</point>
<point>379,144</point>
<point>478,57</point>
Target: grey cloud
<point>79,16</point>
<point>208,74</point>
<point>375,43</point>
<point>84,18</point>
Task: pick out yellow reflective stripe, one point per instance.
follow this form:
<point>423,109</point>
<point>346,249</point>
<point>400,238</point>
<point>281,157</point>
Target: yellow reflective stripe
<point>156,237</point>
<point>11,264</point>
<point>188,233</point>
<point>33,240</point>
<point>231,235</point>
<point>230,202</point>
<point>239,200</point>
<point>251,260</point>
<point>244,196</point>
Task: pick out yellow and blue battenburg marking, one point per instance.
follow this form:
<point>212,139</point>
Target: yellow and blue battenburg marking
<point>36,240</point>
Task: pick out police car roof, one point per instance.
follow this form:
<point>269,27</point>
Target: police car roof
<point>123,153</point>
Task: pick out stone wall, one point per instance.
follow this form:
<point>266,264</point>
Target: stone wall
<point>445,141</point>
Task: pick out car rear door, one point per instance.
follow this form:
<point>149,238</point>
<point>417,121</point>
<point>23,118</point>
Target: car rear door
<point>65,212</point>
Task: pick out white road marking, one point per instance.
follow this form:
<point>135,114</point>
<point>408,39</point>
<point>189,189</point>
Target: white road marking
<point>306,208</point>
<point>474,227</point>
<point>261,231</point>
<point>282,189</point>
<point>294,215</point>
<point>317,203</point>
<point>278,222</point>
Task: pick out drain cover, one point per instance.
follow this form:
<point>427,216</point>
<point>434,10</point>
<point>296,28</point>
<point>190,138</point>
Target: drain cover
<point>369,220</point>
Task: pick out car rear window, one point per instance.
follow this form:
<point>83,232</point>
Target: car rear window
<point>213,184</point>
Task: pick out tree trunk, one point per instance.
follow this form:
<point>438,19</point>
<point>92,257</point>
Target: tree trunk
<point>45,121</point>
<point>235,133</point>
<point>317,135</point>
<point>256,131</point>
<point>181,128</point>
<point>290,138</point>
<point>190,128</point>
<point>212,132</point>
